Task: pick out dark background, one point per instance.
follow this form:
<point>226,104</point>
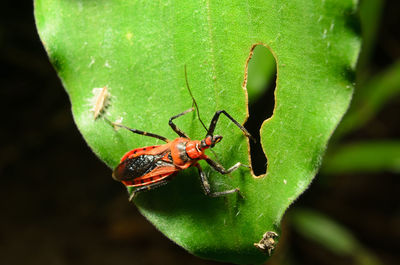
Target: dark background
<point>59,204</point>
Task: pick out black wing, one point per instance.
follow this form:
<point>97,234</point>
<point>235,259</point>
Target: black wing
<point>136,167</point>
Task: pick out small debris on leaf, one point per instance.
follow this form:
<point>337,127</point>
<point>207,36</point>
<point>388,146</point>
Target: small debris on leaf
<point>267,243</point>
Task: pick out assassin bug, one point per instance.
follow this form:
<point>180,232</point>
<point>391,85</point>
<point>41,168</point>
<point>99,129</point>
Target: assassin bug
<point>152,166</point>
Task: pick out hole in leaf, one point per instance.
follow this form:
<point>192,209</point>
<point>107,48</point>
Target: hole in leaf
<point>261,79</point>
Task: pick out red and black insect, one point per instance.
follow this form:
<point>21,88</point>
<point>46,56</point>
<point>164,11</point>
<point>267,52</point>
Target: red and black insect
<point>152,166</point>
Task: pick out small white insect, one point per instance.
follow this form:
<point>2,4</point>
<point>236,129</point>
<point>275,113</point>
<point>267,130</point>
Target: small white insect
<point>100,101</point>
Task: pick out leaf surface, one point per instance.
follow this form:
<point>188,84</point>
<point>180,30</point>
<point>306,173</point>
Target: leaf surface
<point>138,49</point>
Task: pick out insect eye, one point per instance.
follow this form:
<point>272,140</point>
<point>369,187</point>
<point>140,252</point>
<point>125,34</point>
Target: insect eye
<point>217,139</point>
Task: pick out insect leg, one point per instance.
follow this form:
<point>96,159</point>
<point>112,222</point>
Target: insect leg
<point>215,120</point>
<point>218,167</point>
<point>174,127</point>
<point>206,185</point>
<point>145,188</point>
<point>162,138</point>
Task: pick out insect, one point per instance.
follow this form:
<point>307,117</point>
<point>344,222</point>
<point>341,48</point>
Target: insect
<point>100,101</point>
<point>152,166</point>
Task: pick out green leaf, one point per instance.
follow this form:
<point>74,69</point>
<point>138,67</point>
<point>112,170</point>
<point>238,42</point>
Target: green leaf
<point>138,49</point>
<point>364,157</point>
<point>370,12</point>
<point>370,99</point>
<point>261,71</point>
<point>325,231</point>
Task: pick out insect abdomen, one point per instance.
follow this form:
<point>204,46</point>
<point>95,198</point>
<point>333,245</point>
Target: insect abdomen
<point>136,167</point>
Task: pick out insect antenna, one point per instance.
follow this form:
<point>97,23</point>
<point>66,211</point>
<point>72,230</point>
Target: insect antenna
<point>194,101</point>
<point>198,115</point>
<point>197,111</point>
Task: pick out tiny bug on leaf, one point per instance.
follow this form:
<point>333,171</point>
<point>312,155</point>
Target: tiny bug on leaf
<point>152,166</point>
<point>99,101</point>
